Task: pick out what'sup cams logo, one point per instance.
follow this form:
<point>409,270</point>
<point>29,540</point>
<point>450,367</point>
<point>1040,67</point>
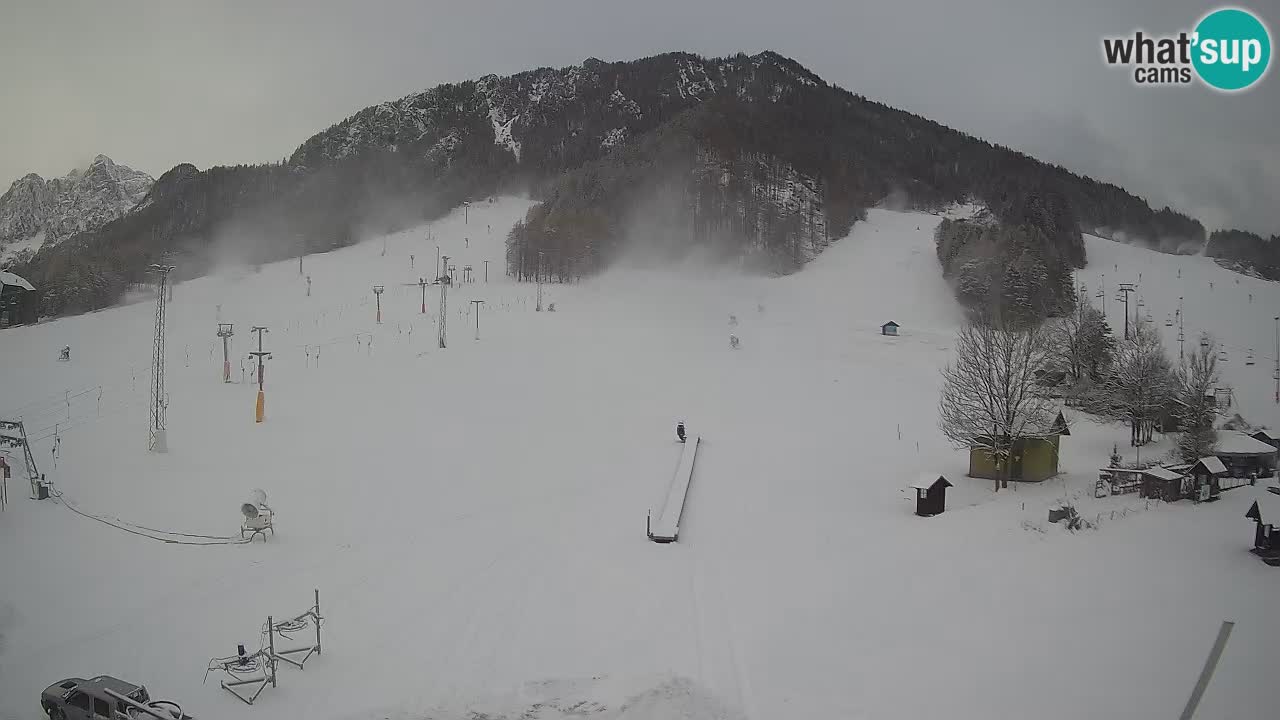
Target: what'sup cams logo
<point>1229,50</point>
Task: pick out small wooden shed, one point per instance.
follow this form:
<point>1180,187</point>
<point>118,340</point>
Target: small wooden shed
<point>1266,537</point>
<point>1205,473</point>
<point>889,328</point>
<point>931,495</point>
<point>1161,483</point>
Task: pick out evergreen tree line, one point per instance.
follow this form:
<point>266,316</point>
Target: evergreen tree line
<point>1246,251</point>
<point>1011,273</point>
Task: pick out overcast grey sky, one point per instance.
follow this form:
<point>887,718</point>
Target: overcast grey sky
<point>156,83</point>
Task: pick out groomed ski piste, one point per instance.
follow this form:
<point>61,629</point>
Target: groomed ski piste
<point>471,515</point>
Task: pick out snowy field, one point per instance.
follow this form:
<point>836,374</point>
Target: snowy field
<point>474,517</point>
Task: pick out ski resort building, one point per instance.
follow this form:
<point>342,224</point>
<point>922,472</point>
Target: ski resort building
<point>1244,455</point>
<point>18,300</point>
<point>1035,458</point>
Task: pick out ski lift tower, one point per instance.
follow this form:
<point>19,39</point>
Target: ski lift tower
<point>156,437</point>
<point>422,285</point>
<point>260,407</point>
<point>1123,292</point>
<point>443,282</point>
<point>225,332</point>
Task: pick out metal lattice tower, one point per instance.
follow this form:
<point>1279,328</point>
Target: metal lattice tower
<point>444,306</point>
<point>156,440</point>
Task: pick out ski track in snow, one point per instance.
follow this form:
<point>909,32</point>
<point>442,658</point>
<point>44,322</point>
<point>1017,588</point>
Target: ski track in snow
<point>472,516</point>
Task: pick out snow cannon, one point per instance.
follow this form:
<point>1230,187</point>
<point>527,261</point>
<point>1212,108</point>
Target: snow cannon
<point>257,517</point>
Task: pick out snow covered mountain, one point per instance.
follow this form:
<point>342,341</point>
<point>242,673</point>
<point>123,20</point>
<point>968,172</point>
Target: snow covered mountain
<point>749,157</point>
<point>36,211</point>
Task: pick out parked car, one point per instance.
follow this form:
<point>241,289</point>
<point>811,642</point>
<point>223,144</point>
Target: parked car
<point>80,699</point>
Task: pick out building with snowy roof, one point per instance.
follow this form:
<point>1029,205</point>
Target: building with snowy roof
<point>931,494</point>
<point>1206,477</point>
<point>1244,455</point>
<point>1034,458</point>
<point>19,304</point>
<point>1161,483</point>
<point>1268,437</point>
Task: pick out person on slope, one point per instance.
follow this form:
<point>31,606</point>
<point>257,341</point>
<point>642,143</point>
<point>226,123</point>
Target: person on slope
<point>66,353</point>
<point>680,430</point>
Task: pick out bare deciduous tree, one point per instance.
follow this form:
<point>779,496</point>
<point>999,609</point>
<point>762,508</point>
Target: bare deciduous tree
<point>1137,387</point>
<point>990,398</point>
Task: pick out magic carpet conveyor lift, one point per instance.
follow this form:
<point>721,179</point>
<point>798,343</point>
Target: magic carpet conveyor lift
<point>667,528</point>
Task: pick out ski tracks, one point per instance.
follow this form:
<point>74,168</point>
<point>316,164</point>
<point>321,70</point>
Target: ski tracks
<point>716,635</point>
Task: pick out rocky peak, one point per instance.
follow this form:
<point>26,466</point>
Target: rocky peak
<point>35,211</point>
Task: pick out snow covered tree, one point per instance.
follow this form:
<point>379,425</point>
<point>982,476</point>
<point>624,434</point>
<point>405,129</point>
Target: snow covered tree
<point>1096,343</point>
<point>1195,402</point>
<point>1138,385</point>
<point>990,398</point>
<point>1083,343</point>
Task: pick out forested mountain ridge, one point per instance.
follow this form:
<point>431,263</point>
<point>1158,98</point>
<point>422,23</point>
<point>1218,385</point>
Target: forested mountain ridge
<point>752,155</point>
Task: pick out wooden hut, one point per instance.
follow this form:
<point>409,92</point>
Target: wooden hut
<point>1161,483</point>
<point>1033,458</point>
<point>931,495</point>
<point>1267,437</point>
<point>889,328</point>
<point>1205,475</point>
<point>1266,537</point>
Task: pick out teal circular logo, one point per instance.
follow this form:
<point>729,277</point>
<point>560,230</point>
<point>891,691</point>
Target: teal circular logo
<point>1231,49</point>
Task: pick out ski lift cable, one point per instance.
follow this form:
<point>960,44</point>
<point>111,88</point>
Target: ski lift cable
<point>48,404</point>
<point>114,410</point>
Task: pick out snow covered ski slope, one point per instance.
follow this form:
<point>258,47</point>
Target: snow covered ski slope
<point>471,515</point>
